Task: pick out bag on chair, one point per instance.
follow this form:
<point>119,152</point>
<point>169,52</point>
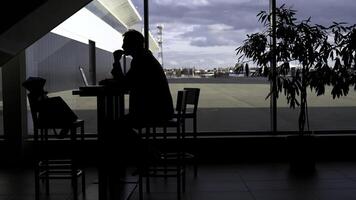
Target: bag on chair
<point>54,112</point>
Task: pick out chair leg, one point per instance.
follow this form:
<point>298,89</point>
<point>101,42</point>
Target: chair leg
<point>178,183</point>
<point>165,154</point>
<point>183,177</point>
<point>74,181</point>
<point>46,179</point>
<point>183,153</point>
<point>154,131</point>
<point>83,182</point>
<point>82,137</point>
<point>75,188</point>
<point>74,168</point>
<point>46,167</point>
<point>146,167</point>
<point>37,182</point>
<point>82,133</point>
<point>179,175</point>
<point>47,186</point>
<point>195,140</point>
<point>140,185</point>
<point>148,188</point>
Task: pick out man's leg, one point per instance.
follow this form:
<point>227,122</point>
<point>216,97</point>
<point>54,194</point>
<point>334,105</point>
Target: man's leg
<point>117,155</point>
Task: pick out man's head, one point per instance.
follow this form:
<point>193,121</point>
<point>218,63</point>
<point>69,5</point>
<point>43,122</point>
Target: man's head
<point>133,42</point>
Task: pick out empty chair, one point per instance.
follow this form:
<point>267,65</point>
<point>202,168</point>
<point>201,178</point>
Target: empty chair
<point>171,161</point>
<point>192,101</point>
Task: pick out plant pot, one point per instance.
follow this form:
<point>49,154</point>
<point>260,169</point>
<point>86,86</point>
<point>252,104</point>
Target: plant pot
<point>301,152</point>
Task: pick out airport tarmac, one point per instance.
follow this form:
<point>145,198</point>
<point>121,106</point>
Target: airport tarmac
<point>239,105</point>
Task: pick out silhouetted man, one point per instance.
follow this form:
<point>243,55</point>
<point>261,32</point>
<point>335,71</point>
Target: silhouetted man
<point>150,100</point>
<point>150,97</point>
<point>149,94</point>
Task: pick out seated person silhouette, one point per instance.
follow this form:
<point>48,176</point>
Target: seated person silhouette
<point>150,100</point>
<point>150,97</point>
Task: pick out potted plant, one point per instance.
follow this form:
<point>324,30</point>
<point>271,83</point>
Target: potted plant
<point>322,56</point>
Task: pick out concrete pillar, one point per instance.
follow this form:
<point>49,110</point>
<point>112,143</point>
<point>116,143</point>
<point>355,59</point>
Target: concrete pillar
<point>14,105</point>
<point>92,62</point>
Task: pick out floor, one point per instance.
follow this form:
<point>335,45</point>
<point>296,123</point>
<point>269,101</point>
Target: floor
<point>247,181</point>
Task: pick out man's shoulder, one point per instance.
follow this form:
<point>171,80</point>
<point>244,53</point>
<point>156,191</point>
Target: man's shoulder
<point>146,58</point>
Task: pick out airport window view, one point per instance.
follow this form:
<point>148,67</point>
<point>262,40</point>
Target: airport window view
<point>274,81</point>
<point>197,48</point>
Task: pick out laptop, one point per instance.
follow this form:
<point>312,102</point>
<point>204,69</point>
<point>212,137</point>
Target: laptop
<point>84,78</point>
<point>87,85</point>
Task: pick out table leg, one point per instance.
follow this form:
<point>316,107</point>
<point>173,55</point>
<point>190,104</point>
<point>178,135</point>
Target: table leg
<point>102,175</point>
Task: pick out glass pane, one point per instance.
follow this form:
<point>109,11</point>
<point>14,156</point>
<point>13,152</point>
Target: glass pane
<point>57,56</point>
<point>199,39</point>
<point>325,113</point>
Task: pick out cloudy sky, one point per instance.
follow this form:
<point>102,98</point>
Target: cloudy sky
<point>205,33</point>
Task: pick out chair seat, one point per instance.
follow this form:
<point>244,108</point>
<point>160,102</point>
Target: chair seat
<point>59,174</point>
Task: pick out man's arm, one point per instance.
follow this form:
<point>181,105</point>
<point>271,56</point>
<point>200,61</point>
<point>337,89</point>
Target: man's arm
<point>117,71</point>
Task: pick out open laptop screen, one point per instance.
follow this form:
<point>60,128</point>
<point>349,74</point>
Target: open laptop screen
<point>83,76</point>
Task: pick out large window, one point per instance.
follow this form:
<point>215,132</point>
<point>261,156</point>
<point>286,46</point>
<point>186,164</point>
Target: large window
<point>199,39</point>
<point>325,113</point>
<point>57,56</point>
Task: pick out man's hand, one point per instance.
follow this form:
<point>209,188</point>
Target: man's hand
<point>118,54</point>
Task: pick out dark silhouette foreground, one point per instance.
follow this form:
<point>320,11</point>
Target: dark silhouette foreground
<point>150,103</point>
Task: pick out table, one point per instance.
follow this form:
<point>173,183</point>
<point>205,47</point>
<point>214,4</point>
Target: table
<point>110,106</point>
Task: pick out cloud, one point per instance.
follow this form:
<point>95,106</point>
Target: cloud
<point>213,35</point>
<point>196,30</point>
<point>324,11</point>
<point>205,42</point>
<point>186,3</point>
<point>235,14</point>
<point>210,35</point>
<point>199,60</point>
<point>220,27</point>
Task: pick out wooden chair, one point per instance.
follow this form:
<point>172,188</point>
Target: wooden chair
<point>171,163</point>
<point>192,101</point>
<point>48,166</point>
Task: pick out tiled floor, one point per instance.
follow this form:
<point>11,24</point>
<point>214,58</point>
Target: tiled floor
<point>260,181</point>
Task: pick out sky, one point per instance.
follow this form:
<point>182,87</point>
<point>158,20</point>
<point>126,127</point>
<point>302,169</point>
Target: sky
<point>205,33</point>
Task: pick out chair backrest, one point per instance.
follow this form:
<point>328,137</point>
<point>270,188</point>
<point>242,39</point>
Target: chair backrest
<point>193,98</point>
<point>181,106</point>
